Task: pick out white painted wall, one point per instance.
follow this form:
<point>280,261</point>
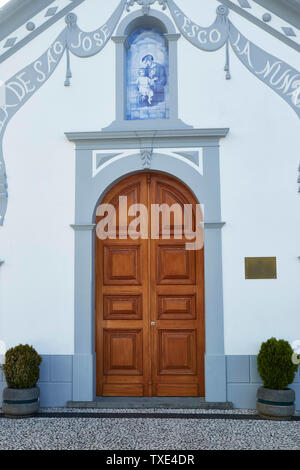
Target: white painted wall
<point>259,161</point>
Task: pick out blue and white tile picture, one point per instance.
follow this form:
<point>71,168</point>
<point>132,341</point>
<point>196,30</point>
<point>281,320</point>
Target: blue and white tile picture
<point>147,76</point>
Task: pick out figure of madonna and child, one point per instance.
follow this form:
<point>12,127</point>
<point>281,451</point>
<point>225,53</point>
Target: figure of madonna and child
<point>151,82</point>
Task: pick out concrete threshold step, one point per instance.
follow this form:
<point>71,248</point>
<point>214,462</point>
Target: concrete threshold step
<point>151,402</point>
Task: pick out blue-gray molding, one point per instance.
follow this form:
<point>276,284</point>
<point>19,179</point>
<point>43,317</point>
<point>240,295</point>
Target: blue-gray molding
<point>283,33</point>
<point>16,13</point>
<point>278,75</point>
<point>275,73</point>
<point>20,87</point>
<point>267,17</point>
<point>288,10</point>
<point>89,192</point>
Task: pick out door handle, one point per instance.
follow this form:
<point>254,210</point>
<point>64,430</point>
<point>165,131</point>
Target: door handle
<point>153,323</point>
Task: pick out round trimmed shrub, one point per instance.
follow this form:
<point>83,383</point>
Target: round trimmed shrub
<point>274,363</point>
<point>22,367</point>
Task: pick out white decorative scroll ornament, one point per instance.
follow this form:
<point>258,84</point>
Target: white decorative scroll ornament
<point>281,77</point>
<point>22,86</point>
<point>15,92</point>
<point>208,39</point>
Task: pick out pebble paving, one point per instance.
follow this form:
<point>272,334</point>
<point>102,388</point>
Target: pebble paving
<point>70,433</point>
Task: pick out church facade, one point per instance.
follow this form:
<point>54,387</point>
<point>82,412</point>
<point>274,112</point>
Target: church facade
<point>156,102</point>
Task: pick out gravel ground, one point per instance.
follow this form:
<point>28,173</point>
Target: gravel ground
<point>147,434</point>
<point>146,410</point>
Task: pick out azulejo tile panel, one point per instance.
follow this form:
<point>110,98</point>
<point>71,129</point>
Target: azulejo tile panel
<point>147,76</point>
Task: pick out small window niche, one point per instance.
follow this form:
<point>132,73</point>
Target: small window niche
<point>147,77</point>
<point>146,73</point>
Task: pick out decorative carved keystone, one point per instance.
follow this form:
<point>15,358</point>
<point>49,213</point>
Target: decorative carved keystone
<point>145,4</point>
<point>146,156</point>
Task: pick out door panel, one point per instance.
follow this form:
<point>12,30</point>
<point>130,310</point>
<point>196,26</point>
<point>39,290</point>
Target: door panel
<point>149,300</point>
<point>175,265</point>
<point>123,352</point>
<point>177,308</point>
<point>176,352</point>
<point>122,307</point>
<point>122,302</point>
<point>122,264</point>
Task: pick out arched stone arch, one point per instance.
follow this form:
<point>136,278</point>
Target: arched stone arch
<point>137,19</point>
<point>125,166</point>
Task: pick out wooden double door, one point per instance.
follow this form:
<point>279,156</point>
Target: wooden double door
<point>149,300</point>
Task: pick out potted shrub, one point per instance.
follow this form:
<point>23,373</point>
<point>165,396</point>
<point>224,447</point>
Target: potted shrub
<point>22,372</point>
<point>274,362</point>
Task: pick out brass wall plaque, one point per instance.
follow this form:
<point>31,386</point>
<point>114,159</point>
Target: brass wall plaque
<point>260,268</point>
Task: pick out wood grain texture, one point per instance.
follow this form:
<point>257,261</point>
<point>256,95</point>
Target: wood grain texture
<point>149,280</point>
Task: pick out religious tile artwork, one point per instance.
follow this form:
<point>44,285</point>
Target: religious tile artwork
<point>147,76</point>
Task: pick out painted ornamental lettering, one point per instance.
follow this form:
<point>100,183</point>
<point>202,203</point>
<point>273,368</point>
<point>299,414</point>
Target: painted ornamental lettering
<point>207,39</point>
<point>22,85</point>
<point>281,77</point>
<point>18,89</point>
<point>275,73</point>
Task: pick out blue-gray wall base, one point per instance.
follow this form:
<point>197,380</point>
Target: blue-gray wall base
<point>243,381</point>
<point>215,378</point>
<point>83,387</point>
<point>55,380</point>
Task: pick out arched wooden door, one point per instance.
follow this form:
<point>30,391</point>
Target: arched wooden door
<point>150,331</point>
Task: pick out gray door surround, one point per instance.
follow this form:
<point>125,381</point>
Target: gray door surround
<point>126,149</point>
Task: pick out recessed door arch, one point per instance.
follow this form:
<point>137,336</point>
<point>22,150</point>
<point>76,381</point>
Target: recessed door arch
<point>149,301</point>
